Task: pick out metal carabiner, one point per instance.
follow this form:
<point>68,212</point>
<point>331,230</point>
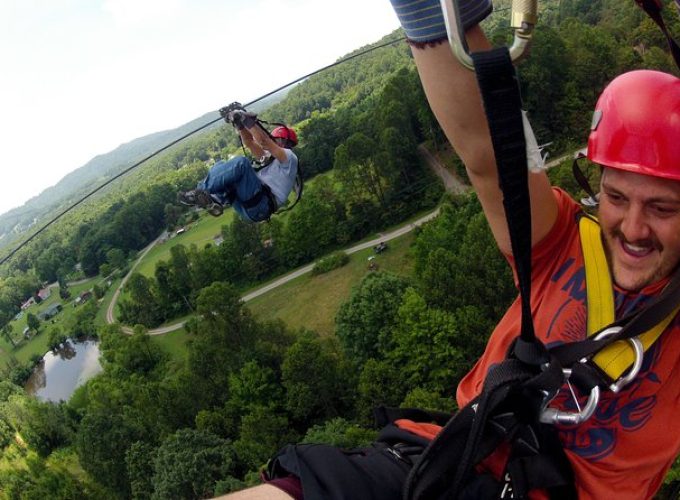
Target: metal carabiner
<point>555,416</point>
<point>639,351</point>
<point>523,19</point>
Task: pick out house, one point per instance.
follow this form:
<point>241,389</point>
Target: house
<point>50,312</point>
<point>27,304</point>
<point>44,293</point>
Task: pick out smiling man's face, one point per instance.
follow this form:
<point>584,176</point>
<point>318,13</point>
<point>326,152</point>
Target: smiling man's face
<point>640,220</point>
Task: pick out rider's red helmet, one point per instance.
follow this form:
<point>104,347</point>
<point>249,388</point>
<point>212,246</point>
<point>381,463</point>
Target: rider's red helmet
<point>286,133</point>
<point>636,125</point>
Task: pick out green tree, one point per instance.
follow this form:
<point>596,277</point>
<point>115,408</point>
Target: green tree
<point>44,426</point>
<point>222,340</point>
<point>340,433</point>
<point>433,347</point>
<point>251,387</point>
<point>316,379</point>
<point>115,257</point>
<point>188,463</point>
<point>364,323</point>
<point>139,461</point>
<point>6,332</point>
<point>102,443</point>
<point>263,432</point>
<point>141,306</point>
<point>33,322</point>
<point>380,384</point>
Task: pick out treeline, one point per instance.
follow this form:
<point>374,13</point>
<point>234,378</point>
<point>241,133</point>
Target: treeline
<point>579,46</point>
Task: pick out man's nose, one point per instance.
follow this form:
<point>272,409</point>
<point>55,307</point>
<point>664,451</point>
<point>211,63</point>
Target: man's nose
<point>635,226</point>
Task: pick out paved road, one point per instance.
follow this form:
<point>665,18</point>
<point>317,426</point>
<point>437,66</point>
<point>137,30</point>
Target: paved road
<point>109,311</point>
<point>284,279</point>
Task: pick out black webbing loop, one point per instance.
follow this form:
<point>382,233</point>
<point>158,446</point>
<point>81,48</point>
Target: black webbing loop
<point>653,10</point>
<point>499,87</point>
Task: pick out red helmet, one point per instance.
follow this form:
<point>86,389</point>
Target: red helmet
<point>284,132</point>
<point>636,125</point>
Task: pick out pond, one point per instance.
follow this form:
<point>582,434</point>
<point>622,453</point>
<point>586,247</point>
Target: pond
<point>61,372</point>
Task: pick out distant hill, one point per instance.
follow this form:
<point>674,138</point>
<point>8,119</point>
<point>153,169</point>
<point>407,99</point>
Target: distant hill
<point>96,172</point>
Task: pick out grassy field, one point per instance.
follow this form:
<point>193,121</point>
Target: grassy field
<point>173,343</point>
<point>197,233</point>
<point>313,301</point>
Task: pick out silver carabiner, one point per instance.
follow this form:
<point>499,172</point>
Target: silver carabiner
<point>523,19</point>
<point>639,351</point>
<point>555,416</point>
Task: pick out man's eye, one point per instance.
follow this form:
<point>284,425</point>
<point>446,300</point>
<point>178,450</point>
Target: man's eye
<point>615,198</point>
<point>665,210</point>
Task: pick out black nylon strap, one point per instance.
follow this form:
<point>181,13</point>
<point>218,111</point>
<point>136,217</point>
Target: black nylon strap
<point>653,10</point>
<point>499,87</point>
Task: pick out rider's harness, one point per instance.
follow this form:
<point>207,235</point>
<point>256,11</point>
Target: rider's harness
<point>512,411</point>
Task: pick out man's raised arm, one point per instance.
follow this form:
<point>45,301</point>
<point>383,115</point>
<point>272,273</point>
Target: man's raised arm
<point>454,97</point>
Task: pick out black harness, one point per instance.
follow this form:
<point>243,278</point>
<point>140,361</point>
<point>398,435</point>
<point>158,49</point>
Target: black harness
<point>264,192</point>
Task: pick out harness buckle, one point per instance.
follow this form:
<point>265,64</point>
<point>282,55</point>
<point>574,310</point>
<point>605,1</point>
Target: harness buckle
<point>523,19</point>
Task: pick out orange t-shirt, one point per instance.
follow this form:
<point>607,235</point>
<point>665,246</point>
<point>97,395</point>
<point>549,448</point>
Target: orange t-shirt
<point>625,449</point>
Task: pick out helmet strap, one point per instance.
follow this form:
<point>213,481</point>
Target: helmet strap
<point>593,198</point>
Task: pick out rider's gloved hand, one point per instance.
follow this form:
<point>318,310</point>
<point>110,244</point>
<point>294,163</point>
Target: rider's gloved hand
<point>249,119</point>
<point>423,20</point>
<point>235,119</point>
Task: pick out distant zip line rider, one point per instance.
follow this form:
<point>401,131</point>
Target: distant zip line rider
<point>625,448</point>
<point>254,194</point>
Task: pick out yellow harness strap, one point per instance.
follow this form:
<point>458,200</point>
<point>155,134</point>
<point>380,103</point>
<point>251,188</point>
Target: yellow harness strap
<point>618,357</point>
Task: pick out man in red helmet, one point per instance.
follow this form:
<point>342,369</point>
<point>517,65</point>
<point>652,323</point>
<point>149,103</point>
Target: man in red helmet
<point>624,450</point>
<point>255,195</point>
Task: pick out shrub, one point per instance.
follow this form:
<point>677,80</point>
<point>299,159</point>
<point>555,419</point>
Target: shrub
<point>330,262</point>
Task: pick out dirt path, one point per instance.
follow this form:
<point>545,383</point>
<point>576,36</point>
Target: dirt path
<point>451,182</point>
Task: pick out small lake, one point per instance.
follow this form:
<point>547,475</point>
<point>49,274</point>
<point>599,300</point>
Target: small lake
<point>61,372</point>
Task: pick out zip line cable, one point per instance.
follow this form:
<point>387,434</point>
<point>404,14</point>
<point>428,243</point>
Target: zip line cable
<point>188,134</point>
<point>172,143</point>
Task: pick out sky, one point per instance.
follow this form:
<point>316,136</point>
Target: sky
<point>80,77</point>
